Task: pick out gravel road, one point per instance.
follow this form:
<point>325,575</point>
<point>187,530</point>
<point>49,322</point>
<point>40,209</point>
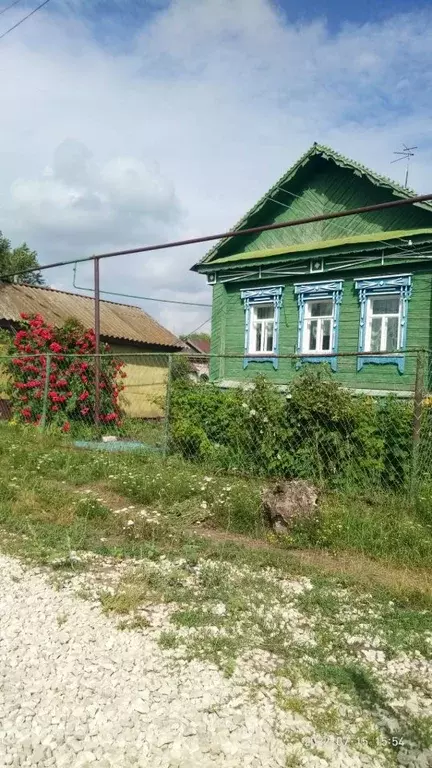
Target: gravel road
<point>77,692</point>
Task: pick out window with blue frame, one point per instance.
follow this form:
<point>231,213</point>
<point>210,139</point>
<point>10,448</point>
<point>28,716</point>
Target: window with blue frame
<point>383,319</point>
<point>262,314</point>
<point>318,320</point>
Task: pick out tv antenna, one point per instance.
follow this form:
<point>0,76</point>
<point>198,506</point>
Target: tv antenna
<point>405,154</point>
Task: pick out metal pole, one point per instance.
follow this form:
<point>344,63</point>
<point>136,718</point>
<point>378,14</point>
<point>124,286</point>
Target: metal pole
<point>167,406</point>
<point>42,424</point>
<point>97,344</point>
<point>416,434</point>
<point>233,233</point>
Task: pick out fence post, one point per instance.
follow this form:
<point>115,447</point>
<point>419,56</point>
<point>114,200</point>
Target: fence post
<point>416,434</point>
<point>45,394</point>
<point>167,407</point>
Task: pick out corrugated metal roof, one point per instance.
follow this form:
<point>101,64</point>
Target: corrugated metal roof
<point>200,345</point>
<point>317,150</point>
<point>118,321</point>
<point>382,238</point>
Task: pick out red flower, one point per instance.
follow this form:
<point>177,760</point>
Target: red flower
<point>62,383</point>
<point>85,411</point>
<point>66,427</point>
<point>54,408</point>
<point>20,335</point>
<point>83,396</point>
<point>24,315</point>
<point>26,412</point>
<point>110,416</point>
<point>55,347</point>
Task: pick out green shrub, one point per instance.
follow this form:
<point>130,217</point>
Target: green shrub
<point>318,431</point>
<point>395,419</point>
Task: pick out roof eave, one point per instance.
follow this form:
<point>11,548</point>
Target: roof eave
<point>345,249</point>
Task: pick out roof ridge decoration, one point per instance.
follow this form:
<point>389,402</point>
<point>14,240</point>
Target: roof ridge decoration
<point>329,154</point>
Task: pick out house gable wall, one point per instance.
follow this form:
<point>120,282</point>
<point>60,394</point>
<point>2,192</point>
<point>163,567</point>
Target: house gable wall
<point>322,186</point>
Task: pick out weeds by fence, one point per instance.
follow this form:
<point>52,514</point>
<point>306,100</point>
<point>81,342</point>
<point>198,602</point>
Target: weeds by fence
<point>312,425</point>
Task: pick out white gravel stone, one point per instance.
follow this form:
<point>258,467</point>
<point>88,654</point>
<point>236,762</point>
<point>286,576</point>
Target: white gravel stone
<point>84,694</point>
<point>75,692</point>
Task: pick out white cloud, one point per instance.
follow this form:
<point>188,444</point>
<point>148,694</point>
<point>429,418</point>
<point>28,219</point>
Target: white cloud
<point>177,131</point>
<point>77,199</point>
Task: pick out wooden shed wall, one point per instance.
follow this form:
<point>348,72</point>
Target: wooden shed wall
<point>145,383</point>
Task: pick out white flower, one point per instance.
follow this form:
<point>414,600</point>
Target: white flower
<point>244,405</point>
<point>130,522</point>
<point>203,505</point>
<point>252,412</point>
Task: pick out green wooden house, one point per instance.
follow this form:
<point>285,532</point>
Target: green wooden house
<point>361,284</point>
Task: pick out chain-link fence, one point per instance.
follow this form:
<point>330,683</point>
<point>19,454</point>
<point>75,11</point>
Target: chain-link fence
<point>366,425</point>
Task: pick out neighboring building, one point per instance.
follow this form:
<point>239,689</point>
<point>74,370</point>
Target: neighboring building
<point>127,329</point>
<point>357,284</point>
<point>198,351</point>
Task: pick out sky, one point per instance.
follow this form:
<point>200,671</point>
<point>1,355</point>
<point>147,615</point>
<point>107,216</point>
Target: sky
<point>129,122</point>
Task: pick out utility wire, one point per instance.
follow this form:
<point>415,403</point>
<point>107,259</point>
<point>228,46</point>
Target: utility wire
<point>147,298</point>
<point>141,298</point>
<point>191,333</point>
<point>8,7</point>
<point>21,21</point>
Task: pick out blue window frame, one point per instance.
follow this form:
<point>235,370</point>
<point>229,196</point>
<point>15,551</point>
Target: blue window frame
<point>318,321</point>
<point>383,319</point>
<point>262,319</point>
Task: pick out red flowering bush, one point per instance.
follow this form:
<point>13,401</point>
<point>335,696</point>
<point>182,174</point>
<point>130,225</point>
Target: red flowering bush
<point>69,382</point>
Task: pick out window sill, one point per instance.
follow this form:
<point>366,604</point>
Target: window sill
<point>323,358</point>
<point>263,358</point>
<point>391,359</point>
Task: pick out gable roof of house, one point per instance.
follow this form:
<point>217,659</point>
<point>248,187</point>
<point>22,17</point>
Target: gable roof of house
<point>198,344</point>
<point>326,153</point>
<point>120,322</point>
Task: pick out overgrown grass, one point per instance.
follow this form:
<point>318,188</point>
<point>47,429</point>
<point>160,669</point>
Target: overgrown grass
<point>382,525</point>
<point>40,473</point>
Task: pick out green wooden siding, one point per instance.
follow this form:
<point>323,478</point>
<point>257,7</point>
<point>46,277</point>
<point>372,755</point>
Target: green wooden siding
<point>229,322</point>
<point>323,187</point>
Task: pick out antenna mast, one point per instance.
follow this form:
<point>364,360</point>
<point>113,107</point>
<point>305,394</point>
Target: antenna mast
<point>406,154</point>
